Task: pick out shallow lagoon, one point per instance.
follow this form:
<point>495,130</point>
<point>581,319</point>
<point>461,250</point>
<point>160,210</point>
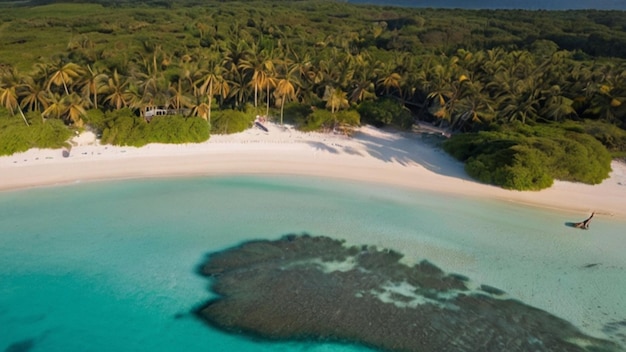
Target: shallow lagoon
<point>111,266</point>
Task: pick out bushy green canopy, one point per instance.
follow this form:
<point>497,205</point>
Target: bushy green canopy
<point>530,158</point>
<point>122,127</point>
<point>16,136</point>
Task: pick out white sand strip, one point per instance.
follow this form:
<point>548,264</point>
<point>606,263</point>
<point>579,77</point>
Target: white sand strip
<point>372,155</point>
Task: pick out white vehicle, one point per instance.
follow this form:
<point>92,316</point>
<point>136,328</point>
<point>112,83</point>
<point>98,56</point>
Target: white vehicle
<point>151,111</point>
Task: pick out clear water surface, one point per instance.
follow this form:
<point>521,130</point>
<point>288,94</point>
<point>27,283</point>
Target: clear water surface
<point>110,266</point>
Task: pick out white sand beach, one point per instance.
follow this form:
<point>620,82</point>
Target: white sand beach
<point>370,155</point>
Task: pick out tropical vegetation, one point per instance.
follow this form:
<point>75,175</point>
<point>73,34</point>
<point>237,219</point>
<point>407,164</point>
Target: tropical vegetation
<point>519,83</point>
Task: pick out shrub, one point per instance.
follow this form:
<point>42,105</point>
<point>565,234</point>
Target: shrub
<point>348,117</point>
<point>16,136</point>
<point>231,121</point>
<point>530,158</point>
<point>385,112</point>
<point>317,120</point>
<point>296,113</point>
<point>95,119</point>
<point>611,136</point>
<point>122,127</point>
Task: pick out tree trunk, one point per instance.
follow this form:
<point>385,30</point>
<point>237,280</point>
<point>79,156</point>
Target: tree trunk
<point>23,117</point>
<point>282,106</point>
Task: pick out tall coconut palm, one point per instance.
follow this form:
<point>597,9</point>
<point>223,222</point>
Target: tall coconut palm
<point>260,66</point>
<point>178,97</point>
<point>474,106</point>
<point>607,101</point>
<point>93,82</point>
<point>556,106</point>
<point>238,87</point>
<point>34,94</point>
<point>312,76</point>
<point>69,108</point>
<point>212,83</point>
<point>56,108</point>
<point>390,81</point>
<point>270,83</point>
<point>9,85</point>
<point>75,109</point>
<point>64,75</point>
<point>520,100</point>
<point>335,99</point>
<point>117,91</point>
<point>362,85</point>
<point>285,88</point>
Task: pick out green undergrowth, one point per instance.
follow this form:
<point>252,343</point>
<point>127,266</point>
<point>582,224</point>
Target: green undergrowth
<point>123,127</point>
<point>16,136</point>
<point>531,158</point>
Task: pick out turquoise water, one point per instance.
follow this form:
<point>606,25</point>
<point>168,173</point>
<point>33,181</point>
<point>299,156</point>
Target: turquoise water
<point>111,266</point>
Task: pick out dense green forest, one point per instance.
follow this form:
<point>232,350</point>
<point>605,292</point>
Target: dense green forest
<point>516,82</point>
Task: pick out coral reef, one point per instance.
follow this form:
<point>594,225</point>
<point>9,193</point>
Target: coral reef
<point>304,287</point>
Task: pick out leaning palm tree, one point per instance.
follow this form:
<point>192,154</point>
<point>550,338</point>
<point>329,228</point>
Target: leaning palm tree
<point>9,85</point>
<point>64,75</point>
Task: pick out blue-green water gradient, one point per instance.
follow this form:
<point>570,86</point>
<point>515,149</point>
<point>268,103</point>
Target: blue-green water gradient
<point>111,266</point>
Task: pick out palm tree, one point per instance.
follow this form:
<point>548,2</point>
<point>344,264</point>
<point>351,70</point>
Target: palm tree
<point>270,82</point>
<point>178,97</point>
<point>521,101</point>
<point>311,76</point>
<point>212,83</point>
<point>261,65</point>
<point>75,109</point>
<point>9,85</point>
<point>362,86</point>
<point>473,107</point>
<point>117,90</point>
<point>64,75</point>
<point>93,82</point>
<point>56,108</point>
<point>556,106</point>
<point>335,99</point>
<point>390,80</point>
<point>34,95</point>
<point>285,88</point>
<point>238,87</point>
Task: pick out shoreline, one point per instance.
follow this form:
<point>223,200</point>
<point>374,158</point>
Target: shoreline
<point>398,159</point>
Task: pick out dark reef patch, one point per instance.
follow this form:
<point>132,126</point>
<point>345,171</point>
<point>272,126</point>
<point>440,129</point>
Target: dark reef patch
<point>21,346</point>
<point>303,287</point>
<point>617,330</point>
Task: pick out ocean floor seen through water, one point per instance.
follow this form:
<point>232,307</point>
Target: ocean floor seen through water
<point>112,265</point>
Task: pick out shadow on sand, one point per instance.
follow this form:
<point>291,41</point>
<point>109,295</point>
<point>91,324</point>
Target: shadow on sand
<point>406,148</point>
